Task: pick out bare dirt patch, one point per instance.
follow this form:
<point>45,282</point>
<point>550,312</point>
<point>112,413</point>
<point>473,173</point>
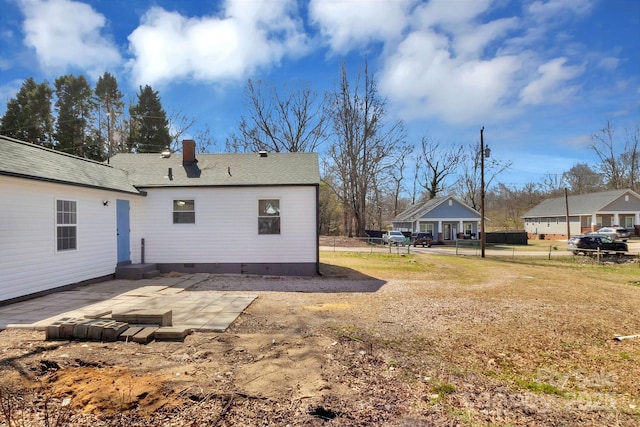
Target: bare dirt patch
<point>378,340</point>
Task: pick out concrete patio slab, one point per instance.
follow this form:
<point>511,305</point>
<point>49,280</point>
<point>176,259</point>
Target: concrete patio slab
<point>203,311</point>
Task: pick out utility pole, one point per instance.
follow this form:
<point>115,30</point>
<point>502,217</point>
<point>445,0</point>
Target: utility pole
<point>566,206</point>
<point>483,240</point>
<point>484,153</point>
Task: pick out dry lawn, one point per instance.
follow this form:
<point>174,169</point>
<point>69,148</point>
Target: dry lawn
<point>379,339</point>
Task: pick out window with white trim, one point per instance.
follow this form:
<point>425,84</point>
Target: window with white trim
<point>426,227</point>
<point>628,222</point>
<point>66,225</point>
<point>184,211</point>
<point>468,228</point>
<point>268,216</point>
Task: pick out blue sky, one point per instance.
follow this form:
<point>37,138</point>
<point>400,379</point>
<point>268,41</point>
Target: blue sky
<point>541,76</point>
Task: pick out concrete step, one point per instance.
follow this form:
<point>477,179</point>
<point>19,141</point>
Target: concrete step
<point>150,274</point>
<point>136,271</point>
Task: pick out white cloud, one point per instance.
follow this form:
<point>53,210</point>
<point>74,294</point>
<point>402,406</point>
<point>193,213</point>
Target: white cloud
<point>558,9</point>
<point>609,63</point>
<point>425,77</point>
<point>449,14</point>
<point>456,65</point>
<point>169,46</point>
<point>350,24</point>
<point>66,34</point>
<point>551,86</point>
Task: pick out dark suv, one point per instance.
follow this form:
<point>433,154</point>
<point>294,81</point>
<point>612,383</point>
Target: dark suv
<point>424,239</point>
<point>591,243</point>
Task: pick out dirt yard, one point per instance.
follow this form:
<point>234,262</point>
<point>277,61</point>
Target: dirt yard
<point>380,339</point>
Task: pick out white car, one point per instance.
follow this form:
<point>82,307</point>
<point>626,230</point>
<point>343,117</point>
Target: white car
<point>614,233</point>
<point>393,237</point>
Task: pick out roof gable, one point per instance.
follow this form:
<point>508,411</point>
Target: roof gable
<point>236,169</point>
<point>433,207</point>
<point>24,160</point>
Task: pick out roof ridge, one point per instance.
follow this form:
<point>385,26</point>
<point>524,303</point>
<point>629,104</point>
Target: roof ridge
<point>51,150</point>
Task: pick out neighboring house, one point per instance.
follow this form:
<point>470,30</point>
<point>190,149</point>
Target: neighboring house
<point>446,218</point>
<point>67,220</point>
<point>587,212</point>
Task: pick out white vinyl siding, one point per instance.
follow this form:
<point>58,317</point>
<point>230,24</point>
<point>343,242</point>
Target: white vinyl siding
<point>226,230</point>
<point>29,261</point>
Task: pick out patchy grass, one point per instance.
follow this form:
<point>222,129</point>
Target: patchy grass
<point>526,324</point>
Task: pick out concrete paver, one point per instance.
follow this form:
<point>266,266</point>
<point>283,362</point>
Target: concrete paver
<point>196,310</point>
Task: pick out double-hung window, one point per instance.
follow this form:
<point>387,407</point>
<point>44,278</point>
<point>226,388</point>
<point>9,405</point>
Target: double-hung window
<point>268,216</point>
<point>66,225</point>
<point>184,211</point>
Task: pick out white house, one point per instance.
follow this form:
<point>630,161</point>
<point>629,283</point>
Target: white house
<point>446,218</point>
<point>67,220</point>
<point>586,212</point>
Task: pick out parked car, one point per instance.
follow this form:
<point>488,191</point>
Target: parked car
<point>590,243</point>
<point>424,239</point>
<point>393,237</point>
<point>614,233</point>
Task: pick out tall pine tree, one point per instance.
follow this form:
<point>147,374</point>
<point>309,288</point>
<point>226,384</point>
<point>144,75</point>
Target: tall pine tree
<point>28,115</point>
<point>149,127</point>
<point>110,113</point>
<point>75,110</point>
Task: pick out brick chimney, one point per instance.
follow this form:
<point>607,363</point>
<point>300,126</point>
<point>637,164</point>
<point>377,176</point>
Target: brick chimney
<point>188,152</point>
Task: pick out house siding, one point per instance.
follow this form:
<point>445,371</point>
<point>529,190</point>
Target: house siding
<point>552,226</point>
<point>622,205</point>
<point>29,261</point>
<point>226,227</point>
<point>454,212</point>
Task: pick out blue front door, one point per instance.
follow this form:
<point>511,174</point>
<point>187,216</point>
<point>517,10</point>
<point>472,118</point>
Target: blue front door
<point>122,223</point>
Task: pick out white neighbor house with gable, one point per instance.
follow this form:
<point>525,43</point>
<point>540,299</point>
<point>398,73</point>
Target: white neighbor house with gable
<point>67,220</point>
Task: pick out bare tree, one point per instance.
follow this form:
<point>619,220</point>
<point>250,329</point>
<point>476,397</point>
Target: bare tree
<point>204,140</point>
<point>468,185</point>
<point>439,163</point>
<point>179,126</point>
<point>581,179</point>
<point>621,169</point>
<point>364,143</point>
<point>289,121</point>
<point>506,205</point>
<point>396,173</point>
<point>553,185</point>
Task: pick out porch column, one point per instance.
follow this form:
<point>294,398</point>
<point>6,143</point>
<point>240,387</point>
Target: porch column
<point>593,222</point>
<point>637,220</point>
<point>439,234</point>
<point>616,220</point>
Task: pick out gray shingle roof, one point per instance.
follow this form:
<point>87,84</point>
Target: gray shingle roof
<point>152,170</point>
<point>580,204</point>
<point>25,160</point>
<point>419,210</point>
<point>416,210</point>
